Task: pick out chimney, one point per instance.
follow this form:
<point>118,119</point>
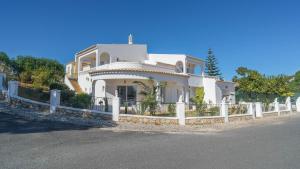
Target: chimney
<point>130,40</point>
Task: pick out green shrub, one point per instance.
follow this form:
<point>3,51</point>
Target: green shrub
<point>171,108</point>
<point>198,99</point>
<point>37,94</point>
<point>66,93</point>
<point>82,101</point>
<point>213,111</point>
<point>25,77</point>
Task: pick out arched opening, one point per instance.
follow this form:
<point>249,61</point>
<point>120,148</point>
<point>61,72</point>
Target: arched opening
<point>179,67</point>
<point>104,58</point>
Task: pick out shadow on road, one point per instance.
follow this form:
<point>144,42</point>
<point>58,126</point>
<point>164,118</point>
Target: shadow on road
<point>18,125</point>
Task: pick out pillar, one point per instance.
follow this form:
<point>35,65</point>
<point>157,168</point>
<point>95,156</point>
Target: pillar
<point>258,110</point>
<point>187,95</point>
<point>288,104</point>
<point>13,88</point>
<point>202,70</point>
<point>115,107</point>
<point>251,110</point>
<point>298,104</point>
<point>2,81</point>
<point>54,100</point>
<point>180,111</point>
<point>224,111</point>
<point>276,106</point>
<point>158,92</point>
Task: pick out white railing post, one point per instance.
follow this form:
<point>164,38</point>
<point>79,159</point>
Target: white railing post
<point>12,89</point>
<point>258,110</point>
<point>276,106</point>
<point>288,104</point>
<point>54,100</point>
<point>251,110</point>
<point>224,111</point>
<point>298,104</point>
<point>115,107</point>
<point>180,111</point>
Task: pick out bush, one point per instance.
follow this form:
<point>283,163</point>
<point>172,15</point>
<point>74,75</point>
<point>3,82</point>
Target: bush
<point>66,93</point>
<point>58,86</point>
<point>82,101</point>
<point>25,77</point>
<point>171,108</point>
<point>37,94</point>
<point>213,111</point>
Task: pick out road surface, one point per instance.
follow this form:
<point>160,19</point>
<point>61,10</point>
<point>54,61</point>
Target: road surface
<point>33,144</point>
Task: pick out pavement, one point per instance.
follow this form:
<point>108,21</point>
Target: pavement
<point>45,144</point>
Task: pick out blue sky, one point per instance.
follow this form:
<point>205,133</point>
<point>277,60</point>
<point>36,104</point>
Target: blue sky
<point>258,34</point>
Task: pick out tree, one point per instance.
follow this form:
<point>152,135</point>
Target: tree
<point>149,92</point>
<point>198,99</point>
<point>40,72</point>
<point>7,66</point>
<point>295,85</point>
<point>4,59</point>
<point>212,65</point>
<point>253,86</point>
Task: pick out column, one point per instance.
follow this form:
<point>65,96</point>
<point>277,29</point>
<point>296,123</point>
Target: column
<point>276,106</point>
<point>116,107</point>
<point>13,88</point>
<point>187,95</point>
<point>180,111</point>
<point>158,92</point>
<point>224,111</point>
<point>54,100</point>
<point>288,104</point>
<point>298,104</point>
<point>2,80</point>
<point>258,109</point>
<point>202,70</point>
<point>251,110</point>
<point>97,59</point>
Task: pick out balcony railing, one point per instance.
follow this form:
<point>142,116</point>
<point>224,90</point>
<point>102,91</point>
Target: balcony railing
<point>134,65</point>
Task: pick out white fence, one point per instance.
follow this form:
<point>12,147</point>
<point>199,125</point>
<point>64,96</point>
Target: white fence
<point>223,112</point>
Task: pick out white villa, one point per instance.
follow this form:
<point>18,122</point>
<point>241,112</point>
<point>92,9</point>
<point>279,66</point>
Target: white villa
<point>102,69</point>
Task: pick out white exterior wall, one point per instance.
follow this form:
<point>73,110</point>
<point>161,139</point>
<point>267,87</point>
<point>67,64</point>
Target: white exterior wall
<point>209,85</point>
<point>68,83</point>
<point>227,89</point>
<point>69,68</point>
<point>85,83</point>
<point>168,59</point>
<point>124,52</point>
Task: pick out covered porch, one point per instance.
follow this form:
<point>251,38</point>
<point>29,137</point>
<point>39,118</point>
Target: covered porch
<point>127,85</point>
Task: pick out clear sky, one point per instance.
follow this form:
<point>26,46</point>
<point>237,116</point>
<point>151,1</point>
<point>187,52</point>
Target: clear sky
<point>258,34</point>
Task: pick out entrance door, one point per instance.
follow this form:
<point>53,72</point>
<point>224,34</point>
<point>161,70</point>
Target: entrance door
<point>127,94</point>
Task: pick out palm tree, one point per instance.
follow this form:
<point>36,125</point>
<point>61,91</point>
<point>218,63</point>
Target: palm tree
<point>149,92</point>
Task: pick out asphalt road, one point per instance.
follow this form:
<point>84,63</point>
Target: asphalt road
<point>32,144</point>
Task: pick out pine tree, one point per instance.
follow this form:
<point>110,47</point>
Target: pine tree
<point>211,68</point>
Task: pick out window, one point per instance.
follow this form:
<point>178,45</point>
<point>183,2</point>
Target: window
<point>179,67</point>
<point>104,58</point>
<point>127,94</point>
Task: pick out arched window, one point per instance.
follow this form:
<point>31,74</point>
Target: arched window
<point>179,67</point>
<point>104,58</point>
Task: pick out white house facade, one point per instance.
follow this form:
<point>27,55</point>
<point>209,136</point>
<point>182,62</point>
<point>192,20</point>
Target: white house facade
<point>103,69</point>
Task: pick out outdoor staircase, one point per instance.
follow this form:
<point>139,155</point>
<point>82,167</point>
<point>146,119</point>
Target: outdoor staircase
<point>75,85</point>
